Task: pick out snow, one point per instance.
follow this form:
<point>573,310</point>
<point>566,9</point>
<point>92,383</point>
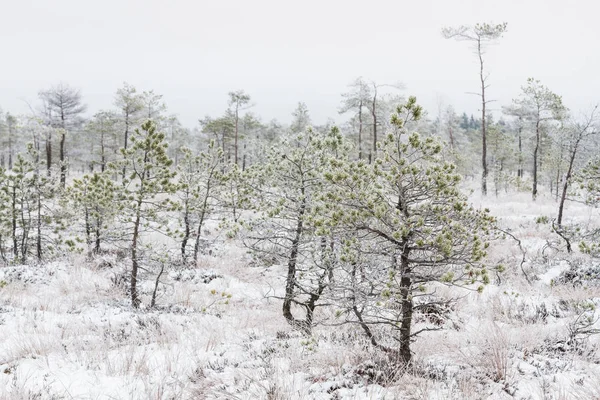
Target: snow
<point>67,331</point>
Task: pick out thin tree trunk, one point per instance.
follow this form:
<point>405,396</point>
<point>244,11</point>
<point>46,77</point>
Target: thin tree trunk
<point>198,233</point>
<point>63,165</point>
<point>483,123</point>
<point>14,222</point>
<point>290,282</point>
<point>374,114</point>
<point>135,301</point>
<point>102,153</point>
<point>98,236</point>
<point>187,232</point>
<point>153,301</point>
<point>520,170</point>
<point>38,243</point>
<point>10,149</point>
<point>360,129</point>
<point>2,253</point>
<point>563,197</point>
<point>535,159</point>
<point>49,153</point>
<point>407,308</point>
<point>88,228</point>
<point>126,140</point>
<point>236,135</point>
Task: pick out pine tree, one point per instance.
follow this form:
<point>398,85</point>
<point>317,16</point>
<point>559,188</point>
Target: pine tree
<point>4,214</point>
<point>94,197</point>
<point>287,200</point>
<point>26,211</point>
<point>588,188</point>
<point>543,107</point>
<point>200,180</point>
<point>141,207</point>
<point>407,217</point>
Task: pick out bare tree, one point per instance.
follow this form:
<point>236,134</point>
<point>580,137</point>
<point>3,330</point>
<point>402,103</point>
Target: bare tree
<point>355,100</point>
<point>238,101</point>
<point>577,133</point>
<point>64,109</point>
<point>373,105</point>
<point>479,35</point>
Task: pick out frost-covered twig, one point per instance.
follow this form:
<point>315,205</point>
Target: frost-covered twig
<point>523,252</point>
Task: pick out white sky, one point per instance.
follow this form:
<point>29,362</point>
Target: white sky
<point>282,52</point>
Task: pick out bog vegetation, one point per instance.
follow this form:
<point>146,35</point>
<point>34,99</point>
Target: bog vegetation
<point>370,219</point>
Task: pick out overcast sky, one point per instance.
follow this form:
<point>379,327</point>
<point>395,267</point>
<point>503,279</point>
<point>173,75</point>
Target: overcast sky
<point>282,52</point>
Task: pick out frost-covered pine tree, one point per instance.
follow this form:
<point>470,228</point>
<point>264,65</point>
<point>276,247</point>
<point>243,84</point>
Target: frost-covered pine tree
<point>4,215</point>
<point>588,187</point>
<point>92,198</point>
<point>543,108</point>
<point>141,207</point>
<point>200,181</point>
<point>26,212</point>
<point>287,199</point>
<point>408,227</point>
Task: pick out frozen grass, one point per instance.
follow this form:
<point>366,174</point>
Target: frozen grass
<point>68,331</point>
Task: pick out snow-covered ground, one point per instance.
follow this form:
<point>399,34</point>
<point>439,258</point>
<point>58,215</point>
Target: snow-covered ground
<point>67,330</point>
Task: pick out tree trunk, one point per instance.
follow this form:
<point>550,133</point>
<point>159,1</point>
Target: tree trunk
<point>520,170</point>
<point>63,165</point>
<point>38,242</point>
<point>153,301</point>
<point>49,153</point>
<point>187,232</point>
<point>88,228</point>
<point>535,159</point>
<point>14,222</point>
<point>236,135</point>
<point>126,140</point>
<point>102,154</point>
<point>374,115</point>
<point>290,282</point>
<point>484,173</point>
<point>360,128</point>
<point>97,244</point>
<point>200,223</point>
<point>563,196</point>
<point>10,149</point>
<point>407,308</point>
<point>135,301</point>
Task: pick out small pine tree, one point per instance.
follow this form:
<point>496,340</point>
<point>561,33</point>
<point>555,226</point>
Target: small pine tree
<point>588,188</point>
<point>26,212</point>
<point>4,214</point>
<point>286,229</point>
<point>93,196</point>
<point>140,206</point>
<point>200,180</point>
<point>409,227</point>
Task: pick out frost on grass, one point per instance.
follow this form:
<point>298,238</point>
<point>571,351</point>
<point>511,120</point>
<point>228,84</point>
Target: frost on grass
<point>69,332</point>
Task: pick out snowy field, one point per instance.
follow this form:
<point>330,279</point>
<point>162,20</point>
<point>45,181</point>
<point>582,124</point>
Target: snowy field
<point>67,330</point>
